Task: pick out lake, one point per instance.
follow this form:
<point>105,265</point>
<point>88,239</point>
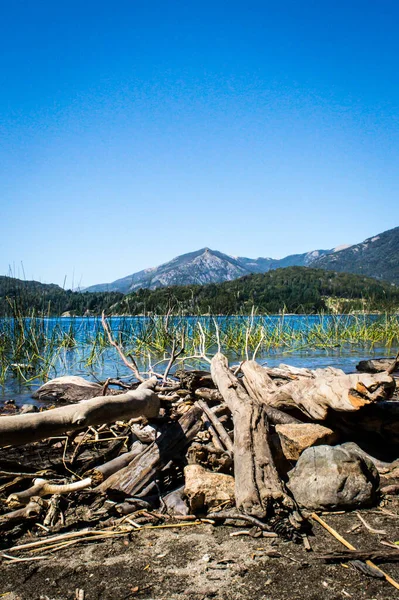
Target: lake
<point>33,349</point>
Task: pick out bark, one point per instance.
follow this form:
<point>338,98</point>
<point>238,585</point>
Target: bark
<point>327,391</point>
<point>22,429</point>
<point>257,485</point>
<point>141,470</point>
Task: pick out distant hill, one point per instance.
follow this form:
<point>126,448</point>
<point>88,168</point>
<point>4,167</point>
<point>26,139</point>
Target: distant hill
<point>293,289</point>
<point>377,257</point>
<point>202,267</point>
<point>19,297</point>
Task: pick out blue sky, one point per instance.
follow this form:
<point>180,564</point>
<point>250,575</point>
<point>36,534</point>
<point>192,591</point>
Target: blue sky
<point>131,132</point>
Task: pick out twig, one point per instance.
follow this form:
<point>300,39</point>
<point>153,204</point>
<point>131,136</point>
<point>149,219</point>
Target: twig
<point>371,529</point>
<point>240,517</point>
<point>392,368</point>
<point>343,541</point>
<point>130,365</point>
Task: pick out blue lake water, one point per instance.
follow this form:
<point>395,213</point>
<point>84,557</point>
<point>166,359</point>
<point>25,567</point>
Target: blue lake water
<point>74,361</point>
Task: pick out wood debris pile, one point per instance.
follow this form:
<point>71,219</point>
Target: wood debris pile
<point>184,449</point>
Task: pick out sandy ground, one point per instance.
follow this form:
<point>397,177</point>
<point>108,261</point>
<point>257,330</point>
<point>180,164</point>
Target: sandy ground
<point>204,562</point>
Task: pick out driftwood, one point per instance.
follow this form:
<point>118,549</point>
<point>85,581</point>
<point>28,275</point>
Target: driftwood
<point>218,426</point>
<point>102,472</point>
<point>258,487</point>
<point>377,365</point>
<point>21,429</point>
<point>259,385</point>
<point>41,487</point>
<point>316,396</point>
<point>193,380</point>
<point>345,556</point>
<point>208,394</point>
<point>144,467</point>
<point>32,510</point>
<point>68,389</point>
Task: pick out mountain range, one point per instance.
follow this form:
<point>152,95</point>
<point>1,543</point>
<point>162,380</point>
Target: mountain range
<point>202,267</point>
<point>375,257</point>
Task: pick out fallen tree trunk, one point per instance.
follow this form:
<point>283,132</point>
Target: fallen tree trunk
<point>258,487</point>
<point>141,470</point>
<point>22,429</point>
<point>316,396</point>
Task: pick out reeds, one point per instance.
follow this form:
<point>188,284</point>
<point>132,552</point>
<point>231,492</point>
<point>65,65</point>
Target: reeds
<point>41,347</point>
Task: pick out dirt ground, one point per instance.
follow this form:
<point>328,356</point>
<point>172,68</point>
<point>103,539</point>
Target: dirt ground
<point>204,562</point>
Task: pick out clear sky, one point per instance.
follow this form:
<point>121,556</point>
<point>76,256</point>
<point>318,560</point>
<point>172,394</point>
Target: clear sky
<point>131,132</point>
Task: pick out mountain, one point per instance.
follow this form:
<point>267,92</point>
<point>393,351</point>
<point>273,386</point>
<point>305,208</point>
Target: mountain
<point>24,298</point>
<point>202,267</point>
<point>293,289</point>
<point>377,257</point>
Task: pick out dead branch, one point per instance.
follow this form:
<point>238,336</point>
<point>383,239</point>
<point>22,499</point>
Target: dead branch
<point>132,365</point>
<point>30,427</point>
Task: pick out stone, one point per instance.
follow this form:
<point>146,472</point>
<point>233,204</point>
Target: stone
<point>296,437</point>
<point>206,490</point>
<point>333,478</point>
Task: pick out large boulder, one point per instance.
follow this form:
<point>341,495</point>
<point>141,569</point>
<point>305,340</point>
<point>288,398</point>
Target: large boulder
<point>207,490</point>
<point>333,477</point>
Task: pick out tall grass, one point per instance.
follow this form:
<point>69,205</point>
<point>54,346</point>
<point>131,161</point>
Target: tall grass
<point>38,348</point>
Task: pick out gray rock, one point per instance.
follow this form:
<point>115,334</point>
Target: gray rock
<point>334,477</point>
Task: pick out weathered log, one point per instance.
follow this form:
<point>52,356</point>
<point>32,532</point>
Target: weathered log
<point>208,394</point>
<point>102,472</point>
<point>224,436</point>
<point>21,429</point>
<point>257,484</point>
<point>131,479</point>
<point>327,391</point>
<point>192,380</point>
<point>68,388</point>
<point>259,385</point>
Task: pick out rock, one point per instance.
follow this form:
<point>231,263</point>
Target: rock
<point>376,365</point>
<point>175,505</point>
<point>333,477</point>
<point>68,389</point>
<point>28,408</point>
<point>206,490</point>
<point>296,437</point>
